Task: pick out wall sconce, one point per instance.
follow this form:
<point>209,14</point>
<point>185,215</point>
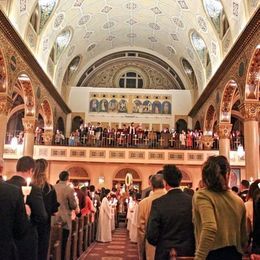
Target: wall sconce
<point>101,179</point>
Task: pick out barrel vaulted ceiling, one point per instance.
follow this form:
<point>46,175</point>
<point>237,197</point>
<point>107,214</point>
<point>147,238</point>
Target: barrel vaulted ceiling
<point>159,27</point>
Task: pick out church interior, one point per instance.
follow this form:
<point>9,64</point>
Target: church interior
<point>107,88</point>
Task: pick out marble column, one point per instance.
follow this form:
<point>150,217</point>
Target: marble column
<point>250,111</point>
<point>29,133</point>
<point>5,107</point>
<point>224,130</point>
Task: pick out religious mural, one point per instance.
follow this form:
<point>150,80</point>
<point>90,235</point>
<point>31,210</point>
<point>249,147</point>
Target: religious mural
<point>137,106</point>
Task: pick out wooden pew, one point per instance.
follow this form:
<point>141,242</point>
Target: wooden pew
<point>80,235</point>
<point>74,239</point>
<point>85,233</point>
<point>55,242</point>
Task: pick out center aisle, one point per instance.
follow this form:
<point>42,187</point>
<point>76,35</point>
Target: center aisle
<point>119,249</point>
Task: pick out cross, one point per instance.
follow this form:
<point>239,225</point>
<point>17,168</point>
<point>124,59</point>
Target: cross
<point>161,140</point>
<point>135,139</point>
<point>84,138</point>
<point>237,142</point>
<point>172,141</point>
<point>110,139</point>
<point>146,140</point>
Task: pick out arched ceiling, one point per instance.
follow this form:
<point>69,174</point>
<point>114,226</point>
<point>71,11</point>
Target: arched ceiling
<point>158,27</point>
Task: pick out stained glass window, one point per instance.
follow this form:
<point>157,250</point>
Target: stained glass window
<point>215,11</point>
<point>131,80</point>
<point>46,9</point>
<point>189,72</point>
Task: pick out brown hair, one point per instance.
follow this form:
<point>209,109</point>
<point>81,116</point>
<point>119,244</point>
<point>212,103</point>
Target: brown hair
<point>39,175</point>
<point>214,173</point>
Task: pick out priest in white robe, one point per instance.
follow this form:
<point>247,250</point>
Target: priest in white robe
<point>104,232</point>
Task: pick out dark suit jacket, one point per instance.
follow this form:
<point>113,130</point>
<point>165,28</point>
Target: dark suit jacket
<point>13,220</point>
<point>170,225</point>
<point>28,246</point>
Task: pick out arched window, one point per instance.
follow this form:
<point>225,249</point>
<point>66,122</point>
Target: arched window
<point>215,11</point>
<point>131,80</point>
<point>41,14</point>
<point>60,45</point>
<point>73,66</point>
<point>189,72</point>
<point>200,46</point>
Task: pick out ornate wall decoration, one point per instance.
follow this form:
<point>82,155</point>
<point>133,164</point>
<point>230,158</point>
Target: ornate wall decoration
<point>3,74</point>
<point>250,111</point>
<point>5,104</point>
<point>108,76</point>
<point>224,130</point>
<point>29,125</point>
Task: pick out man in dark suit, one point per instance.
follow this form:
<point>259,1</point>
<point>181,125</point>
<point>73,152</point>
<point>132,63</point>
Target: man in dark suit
<point>170,226</point>
<point>13,219</point>
<point>28,245</point>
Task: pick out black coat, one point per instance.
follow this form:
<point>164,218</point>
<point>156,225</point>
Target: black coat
<point>13,220</point>
<point>170,225</point>
<point>28,246</point>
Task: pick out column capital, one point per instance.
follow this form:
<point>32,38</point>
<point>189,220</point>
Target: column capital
<point>47,136</point>
<point>29,124</point>
<point>5,104</point>
<point>207,141</point>
<point>250,110</point>
<point>224,130</point>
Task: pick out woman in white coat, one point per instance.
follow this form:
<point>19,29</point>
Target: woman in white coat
<point>104,233</point>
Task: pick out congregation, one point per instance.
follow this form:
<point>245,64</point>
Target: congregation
<point>213,222</point>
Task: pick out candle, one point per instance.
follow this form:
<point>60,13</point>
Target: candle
<point>4,178</point>
<point>28,181</point>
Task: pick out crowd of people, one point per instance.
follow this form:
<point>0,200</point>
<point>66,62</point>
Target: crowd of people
<point>166,221</point>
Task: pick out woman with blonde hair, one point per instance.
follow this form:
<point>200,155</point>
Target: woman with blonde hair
<point>51,206</point>
<point>219,215</point>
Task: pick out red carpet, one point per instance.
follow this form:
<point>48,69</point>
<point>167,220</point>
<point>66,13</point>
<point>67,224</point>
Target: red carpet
<point>119,249</point>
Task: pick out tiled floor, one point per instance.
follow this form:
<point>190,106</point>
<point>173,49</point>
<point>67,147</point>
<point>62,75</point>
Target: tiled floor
<point>119,249</point>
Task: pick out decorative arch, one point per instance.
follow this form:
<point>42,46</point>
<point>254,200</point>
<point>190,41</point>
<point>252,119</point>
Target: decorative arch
<point>228,96</point>
<point>25,83</point>
<point>209,119</point>
<point>47,114</point>
<point>253,79</point>
<point>3,74</point>
<point>121,174</point>
<point>78,172</point>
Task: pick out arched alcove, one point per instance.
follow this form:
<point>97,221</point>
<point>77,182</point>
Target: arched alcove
<point>60,124</point>
<point>78,173</point>
<point>76,122</point>
<point>181,124</point>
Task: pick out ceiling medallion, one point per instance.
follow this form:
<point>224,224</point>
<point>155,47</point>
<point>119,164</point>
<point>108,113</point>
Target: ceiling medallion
<point>178,22</point>
<point>91,47</point>
<point>84,19</point>
<point>152,39</point>
<point>110,38</point>
<point>131,21</point>
<point>131,35</point>
<point>171,49</point>
<point>58,20</point>
<point>202,23</point>
<point>131,6</point>
<point>108,25</point>
<point>174,36</point>
<point>106,9</point>
<point>156,10</point>
<point>78,3</point>
<point>183,4</point>
<point>154,26</point>
<point>88,34</point>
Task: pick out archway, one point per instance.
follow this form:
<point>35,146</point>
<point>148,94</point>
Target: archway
<point>47,115</point>
<point>3,74</point>
<point>229,93</point>
<point>76,122</point>
<point>186,180</point>
<point>197,125</point>
<point>253,80</point>
<point>60,124</point>
<point>209,120</point>
<point>119,178</point>
<point>80,174</point>
<point>14,125</point>
<point>181,124</point>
